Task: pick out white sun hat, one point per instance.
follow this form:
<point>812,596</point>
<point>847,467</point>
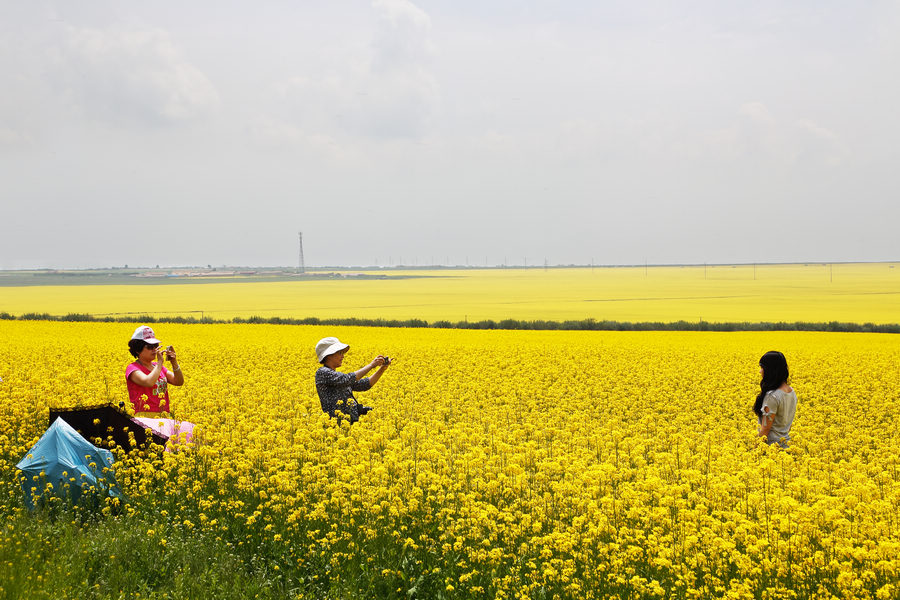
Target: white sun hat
<point>145,333</point>
<point>328,346</point>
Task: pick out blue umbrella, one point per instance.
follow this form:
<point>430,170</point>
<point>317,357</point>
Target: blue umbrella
<point>63,464</point>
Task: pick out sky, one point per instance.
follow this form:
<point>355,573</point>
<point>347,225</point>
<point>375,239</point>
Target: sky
<point>447,132</point>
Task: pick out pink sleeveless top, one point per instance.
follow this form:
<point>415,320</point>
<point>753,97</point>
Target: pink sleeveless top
<point>148,399</point>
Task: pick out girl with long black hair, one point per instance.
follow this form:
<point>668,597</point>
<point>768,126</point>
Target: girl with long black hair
<point>776,402</point>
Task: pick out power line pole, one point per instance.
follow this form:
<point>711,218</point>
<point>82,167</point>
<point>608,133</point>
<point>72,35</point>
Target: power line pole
<point>302,263</point>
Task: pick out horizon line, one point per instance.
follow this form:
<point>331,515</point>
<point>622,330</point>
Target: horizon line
<point>427,267</point>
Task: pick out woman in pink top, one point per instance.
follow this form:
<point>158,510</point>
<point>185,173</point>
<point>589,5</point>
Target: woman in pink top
<point>148,383</point>
<point>148,380</point>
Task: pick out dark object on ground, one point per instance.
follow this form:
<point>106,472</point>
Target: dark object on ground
<point>82,420</point>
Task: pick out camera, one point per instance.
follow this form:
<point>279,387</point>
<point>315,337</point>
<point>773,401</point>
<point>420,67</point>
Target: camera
<point>387,360</point>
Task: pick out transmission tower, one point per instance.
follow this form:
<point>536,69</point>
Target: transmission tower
<point>302,264</point>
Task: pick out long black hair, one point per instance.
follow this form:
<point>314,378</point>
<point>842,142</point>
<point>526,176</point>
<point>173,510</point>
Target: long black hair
<point>775,372</point>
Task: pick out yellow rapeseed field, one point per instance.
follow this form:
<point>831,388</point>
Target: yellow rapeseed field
<point>852,293</point>
<point>505,464</point>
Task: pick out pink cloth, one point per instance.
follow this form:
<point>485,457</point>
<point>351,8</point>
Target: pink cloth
<point>177,431</point>
<point>148,399</point>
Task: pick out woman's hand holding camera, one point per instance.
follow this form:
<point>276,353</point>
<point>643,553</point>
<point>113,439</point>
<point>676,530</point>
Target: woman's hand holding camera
<point>177,377</point>
<point>381,361</point>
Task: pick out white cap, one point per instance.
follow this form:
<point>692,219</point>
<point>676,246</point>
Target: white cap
<point>327,347</point>
<point>145,333</point>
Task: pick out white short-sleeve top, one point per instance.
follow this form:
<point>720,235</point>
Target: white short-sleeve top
<point>782,405</point>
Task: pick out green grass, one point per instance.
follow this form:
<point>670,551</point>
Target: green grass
<point>507,324</point>
<point>56,556</point>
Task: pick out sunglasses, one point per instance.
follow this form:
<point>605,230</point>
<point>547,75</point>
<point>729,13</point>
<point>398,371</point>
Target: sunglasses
<point>152,346</point>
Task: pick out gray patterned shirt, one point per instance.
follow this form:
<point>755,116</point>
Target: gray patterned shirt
<point>336,389</point>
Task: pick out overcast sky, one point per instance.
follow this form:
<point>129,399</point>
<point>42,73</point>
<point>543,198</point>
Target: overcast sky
<point>194,133</point>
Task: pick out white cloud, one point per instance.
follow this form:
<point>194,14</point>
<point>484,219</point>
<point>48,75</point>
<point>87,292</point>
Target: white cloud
<point>816,130</point>
<point>132,76</point>
<point>388,93</point>
<point>13,138</point>
<point>819,144</point>
<point>278,135</point>
<point>757,135</point>
<point>403,35</point>
<point>757,112</point>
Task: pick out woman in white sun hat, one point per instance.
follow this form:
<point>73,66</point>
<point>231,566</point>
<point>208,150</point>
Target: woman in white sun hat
<point>336,389</point>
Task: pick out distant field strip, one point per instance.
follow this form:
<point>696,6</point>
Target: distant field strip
<point>657,298</point>
<point>857,293</point>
